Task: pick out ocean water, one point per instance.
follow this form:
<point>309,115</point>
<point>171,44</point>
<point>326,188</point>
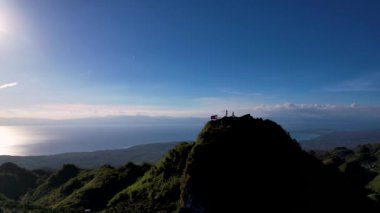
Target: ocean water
<point>303,136</point>
<point>47,140</point>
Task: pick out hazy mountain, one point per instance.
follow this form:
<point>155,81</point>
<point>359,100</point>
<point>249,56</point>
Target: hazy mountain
<point>147,153</point>
<point>349,139</point>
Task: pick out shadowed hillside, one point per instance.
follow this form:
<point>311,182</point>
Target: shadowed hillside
<point>361,164</point>
<point>71,188</point>
<point>16,181</point>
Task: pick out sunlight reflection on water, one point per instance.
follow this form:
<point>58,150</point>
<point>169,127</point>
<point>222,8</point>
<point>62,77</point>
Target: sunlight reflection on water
<point>47,140</point>
<point>13,139</point>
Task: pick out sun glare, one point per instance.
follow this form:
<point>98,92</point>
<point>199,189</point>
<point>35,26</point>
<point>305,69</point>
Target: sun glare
<point>8,23</point>
<point>10,139</point>
<point>3,25</point>
<point>2,29</point>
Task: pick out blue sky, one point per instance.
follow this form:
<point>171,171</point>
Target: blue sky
<point>80,58</point>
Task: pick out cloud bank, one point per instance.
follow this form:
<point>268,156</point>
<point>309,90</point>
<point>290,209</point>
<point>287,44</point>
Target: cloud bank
<point>290,115</point>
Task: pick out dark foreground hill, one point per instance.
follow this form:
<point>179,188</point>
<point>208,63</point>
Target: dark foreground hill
<point>237,164</point>
<point>240,164</point>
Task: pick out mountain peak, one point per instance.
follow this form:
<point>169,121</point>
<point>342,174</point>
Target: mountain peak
<point>241,164</point>
<point>243,132</point>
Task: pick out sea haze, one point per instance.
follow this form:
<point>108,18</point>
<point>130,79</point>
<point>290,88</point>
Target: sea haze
<point>47,140</point>
<point>55,139</point>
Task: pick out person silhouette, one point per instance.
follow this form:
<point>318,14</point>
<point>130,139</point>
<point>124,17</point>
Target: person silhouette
<point>226,113</point>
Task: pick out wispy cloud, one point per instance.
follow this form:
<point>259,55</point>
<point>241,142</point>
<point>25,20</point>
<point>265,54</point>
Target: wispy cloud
<point>74,111</point>
<point>367,83</point>
<point>243,106</point>
<point>4,86</point>
<point>323,116</point>
<point>288,114</point>
<point>238,93</point>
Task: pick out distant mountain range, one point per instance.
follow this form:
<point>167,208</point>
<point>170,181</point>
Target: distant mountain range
<point>350,139</point>
<point>146,153</point>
